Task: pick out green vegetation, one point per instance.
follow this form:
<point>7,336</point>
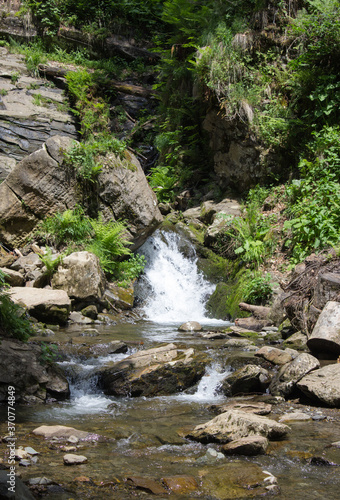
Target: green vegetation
<point>13,320</point>
<point>73,230</point>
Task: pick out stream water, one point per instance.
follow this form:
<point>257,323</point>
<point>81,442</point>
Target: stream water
<point>144,436</point>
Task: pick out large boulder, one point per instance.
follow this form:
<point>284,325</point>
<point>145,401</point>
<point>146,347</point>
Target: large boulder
<point>236,424</point>
<point>125,194</point>
<point>25,370</point>
<point>326,333</point>
<point>153,372</point>
<point>49,306</point>
<point>36,187</point>
<point>81,277</point>
<point>323,385</point>
<point>41,184</point>
<point>249,378</point>
<point>289,374</point>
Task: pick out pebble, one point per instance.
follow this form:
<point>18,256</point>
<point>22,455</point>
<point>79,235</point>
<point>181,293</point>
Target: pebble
<point>70,459</point>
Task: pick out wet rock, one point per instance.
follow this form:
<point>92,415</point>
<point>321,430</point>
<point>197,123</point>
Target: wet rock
<point>238,343</point>
<point>18,489</point>
<point>33,381</point>
<point>259,408</point>
<point>323,385</point>
<point>181,484</point>
<point>13,278</point>
<point>146,484</point>
<point>190,326</point>
<point>236,424</point>
<point>327,289</point>
<point>250,446</point>
<point>161,370</point>
<point>296,341</point>
<point>50,306</point>
<point>276,356</point>
<point>289,374</point>
<point>81,277</point>
<point>325,336</point>
<point>39,481</point>
<point>71,459</point>
<point>119,297</point>
<point>295,417</point>
<point>59,431</point>
<point>249,378</point>
<point>90,311</point>
<point>252,323</point>
<point>78,318</point>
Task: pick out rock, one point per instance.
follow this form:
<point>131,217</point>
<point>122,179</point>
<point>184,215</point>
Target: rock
<point>238,343</point>
<point>13,278</point>
<point>296,341</point>
<point>259,408</point>
<point>250,446</point>
<point>12,487</point>
<point>289,374</point>
<point>181,484</point>
<point>71,459</point>
<point>327,289</point>
<point>49,306</point>
<point>119,297</point>
<point>249,378</point>
<point>59,431</point>
<point>33,382</point>
<point>323,385</point>
<point>40,481</point>
<point>252,323</point>
<point>236,424</point>
<point>126,194</point>
<point>77,317</point>
<point>146,484</point>
<point>81,276</point>
<point>276,356</point>
<point>296,416</point>
<point>158,371</point>
<point>325,336</point>
<point>90,312</point>
<point>190,326</point>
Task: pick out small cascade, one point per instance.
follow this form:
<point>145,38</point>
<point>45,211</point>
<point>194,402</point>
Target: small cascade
<point>175,290</point>
<point>208,387</point>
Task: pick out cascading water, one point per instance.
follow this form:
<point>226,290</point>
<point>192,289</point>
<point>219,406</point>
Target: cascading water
<point>176,290</point>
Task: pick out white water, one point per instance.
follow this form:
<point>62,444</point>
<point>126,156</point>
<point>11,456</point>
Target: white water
<point>177,291</point>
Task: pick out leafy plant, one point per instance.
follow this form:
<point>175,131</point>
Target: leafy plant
<point>13,320</point>
<point>51,262</point>
<point>258,289</point>
<point>49,353</point>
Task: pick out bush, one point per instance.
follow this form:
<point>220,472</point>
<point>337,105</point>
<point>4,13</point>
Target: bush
<point>13,320</point>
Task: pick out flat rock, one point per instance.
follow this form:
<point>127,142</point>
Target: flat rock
<point>52,306</point>
<point>295,417</point>
<point>250,446</point>
<point>323,385</point>
<point>59,431</point>
<point>275,355</point>
<point>190,326</point>
<point>290,373</point>
<point>71,459</point>
<point>236,424</point>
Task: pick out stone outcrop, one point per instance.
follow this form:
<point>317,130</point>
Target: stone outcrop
<point>24,369</point>
<point>31,111</point>
<point>289,374</point>
<point>153,372</point>
<point>81,277</point>
<point>239,161</point>
<point>249,378</point>
<point>323,385</point>
<point>325,336</point>
<point>41,185</point>
<point>52,306</point>
<point>236,424</point>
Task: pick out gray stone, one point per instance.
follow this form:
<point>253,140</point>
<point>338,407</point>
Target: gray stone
<point>325,336</point>
<point>250,446</point>
<point>13,278</point>
<point>249,378</point>
<point>323,385</point>
<point>50,306</point>
<point>296,416</point>
<point>276,356</point>
<point>190,326</point>
<point>236,424</point>
<point>71,459</point>
<point>289,374</point>
<point>20,490</point>
<point>59,432</point>
<point>33,381</point>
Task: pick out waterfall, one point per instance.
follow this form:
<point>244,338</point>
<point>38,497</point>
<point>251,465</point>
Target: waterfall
<point>175,290</point>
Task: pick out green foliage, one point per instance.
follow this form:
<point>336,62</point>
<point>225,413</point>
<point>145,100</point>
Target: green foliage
<point>46,14</point>
<point>51,262</point>
<point>163,181</point>
<point>13,320</point>
<point>71,226</point>
<point>49,353</point>
<point>258,289</point>
<point>314,199</point>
